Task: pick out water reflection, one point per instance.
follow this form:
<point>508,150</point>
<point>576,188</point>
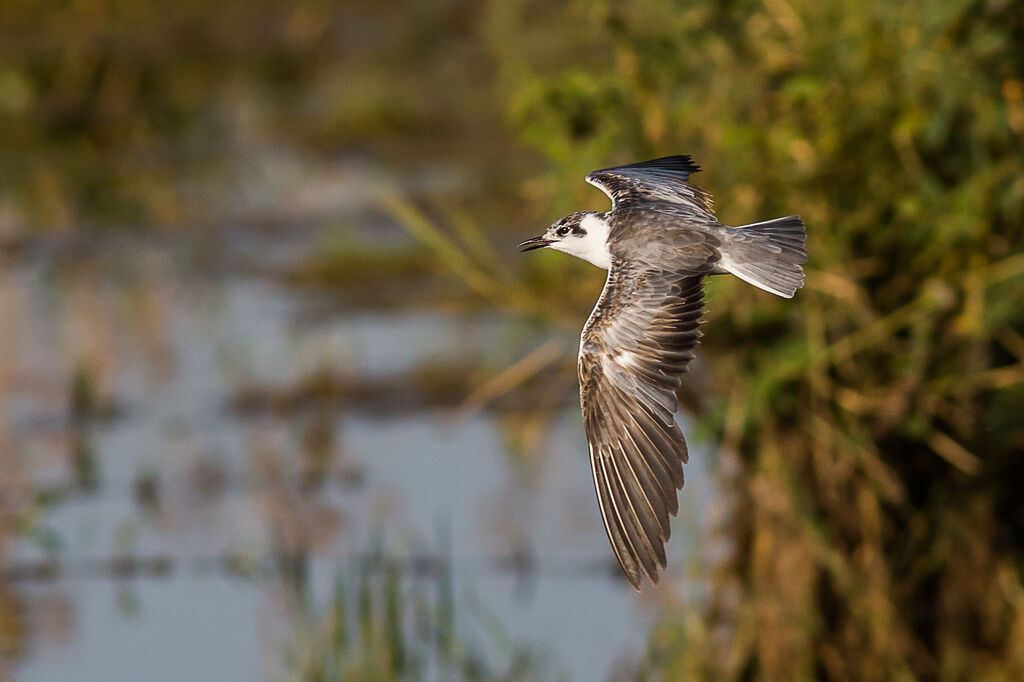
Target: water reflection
<point>198,468</point>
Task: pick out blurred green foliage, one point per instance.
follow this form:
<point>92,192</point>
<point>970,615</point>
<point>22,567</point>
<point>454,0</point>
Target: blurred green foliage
<point>872,426</point>
<point>129,113</point>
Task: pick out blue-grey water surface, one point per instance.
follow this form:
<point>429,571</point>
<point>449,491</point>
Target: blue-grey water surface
<point>169,343</point>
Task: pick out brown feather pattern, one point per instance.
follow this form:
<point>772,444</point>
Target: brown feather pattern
<point>629,369</point>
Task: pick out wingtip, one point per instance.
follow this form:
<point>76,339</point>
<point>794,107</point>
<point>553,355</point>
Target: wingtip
<point>638,584</point>
<point>683,161</point>
<point>680,162</point>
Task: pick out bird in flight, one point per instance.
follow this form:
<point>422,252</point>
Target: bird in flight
<point>658,243</point>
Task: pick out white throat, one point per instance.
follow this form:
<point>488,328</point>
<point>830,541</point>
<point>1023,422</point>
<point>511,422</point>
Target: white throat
<point>591,247</point>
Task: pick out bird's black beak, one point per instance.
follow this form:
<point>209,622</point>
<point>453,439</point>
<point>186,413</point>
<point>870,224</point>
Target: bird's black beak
<point>535,243</point>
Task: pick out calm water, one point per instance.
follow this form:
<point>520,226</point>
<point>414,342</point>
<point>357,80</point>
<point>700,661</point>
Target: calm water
<point>163,466</point>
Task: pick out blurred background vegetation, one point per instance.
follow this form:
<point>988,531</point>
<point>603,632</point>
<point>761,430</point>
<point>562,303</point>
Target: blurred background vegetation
<point>868,434</point>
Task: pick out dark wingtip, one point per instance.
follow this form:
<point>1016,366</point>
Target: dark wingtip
<point>634,577</point>
<point>679,163</point>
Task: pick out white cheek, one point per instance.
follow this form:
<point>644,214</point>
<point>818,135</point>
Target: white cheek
<point>591,250</point>
<point>591,247</point>
<point>594,246</point>
<point>597,227</point>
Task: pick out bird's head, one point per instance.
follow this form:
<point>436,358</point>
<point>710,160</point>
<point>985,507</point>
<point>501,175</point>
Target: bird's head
<point>583,234</point>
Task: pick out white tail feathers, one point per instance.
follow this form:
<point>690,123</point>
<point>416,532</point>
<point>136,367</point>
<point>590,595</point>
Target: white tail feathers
<point>767,254</point>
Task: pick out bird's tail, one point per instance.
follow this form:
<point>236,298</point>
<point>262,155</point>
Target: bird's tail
<point>768,254</point>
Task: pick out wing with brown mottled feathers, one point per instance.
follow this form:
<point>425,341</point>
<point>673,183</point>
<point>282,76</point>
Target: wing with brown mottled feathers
<point>634,349</point>
<point>658,180</point>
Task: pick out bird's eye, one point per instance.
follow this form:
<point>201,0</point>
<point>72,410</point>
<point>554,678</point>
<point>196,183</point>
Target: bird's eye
<point>562,231</point>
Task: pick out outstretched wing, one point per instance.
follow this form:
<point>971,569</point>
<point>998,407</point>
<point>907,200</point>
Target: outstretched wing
<point>665,179</point>
<point>634,349</point>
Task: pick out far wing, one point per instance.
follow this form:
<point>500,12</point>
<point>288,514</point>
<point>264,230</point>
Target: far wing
<point>665,179</point>
<point>635,347</point>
